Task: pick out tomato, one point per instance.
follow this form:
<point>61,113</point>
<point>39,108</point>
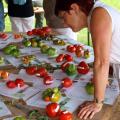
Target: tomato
<point>19,82</point>
<point>11,84</point>
<point>47,99</point>
<point>79,53</point>
<point>79,47</point>
<point>41,72</point>
<point>47,29</point>
<point>29,33</point>
<point>34,31</point>
<point>48,80</point>
<point>71,48</point>
<point>67,82</point>
<point>65,115</point>
<point>52,109</point>
<point>83,68</point>
<point>4,75</point>
<point>31,70</point>
<point>64,66</point>
<point>60,58</point>
<point>3,35</point>
<point>69,58</point>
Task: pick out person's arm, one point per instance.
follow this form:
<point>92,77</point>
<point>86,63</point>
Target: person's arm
<point>101,32</point>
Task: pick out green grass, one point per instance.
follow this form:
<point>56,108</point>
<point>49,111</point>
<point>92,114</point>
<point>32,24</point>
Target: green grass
<point>82,35</point>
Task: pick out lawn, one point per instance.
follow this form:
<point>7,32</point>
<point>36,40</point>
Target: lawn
<point>82,35</point>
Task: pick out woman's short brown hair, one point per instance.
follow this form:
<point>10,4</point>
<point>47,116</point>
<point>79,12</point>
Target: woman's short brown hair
<point>64,5</point>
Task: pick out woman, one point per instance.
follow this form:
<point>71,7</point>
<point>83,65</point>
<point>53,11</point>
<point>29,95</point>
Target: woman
<point>103,23</point>
<point>21,15</point>
<point>54,22</point>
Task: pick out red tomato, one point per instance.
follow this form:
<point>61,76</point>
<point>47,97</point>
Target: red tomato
<point>11,84</point>
<point>71,48</point>
<point>29,33</point>
<point>41,72</point>
<point>67,82</point>
<point>47,99</point>
<point>79,47</point>
<point>19,82</point>
<point>47,29</point>
<point>34,31</point>
<point>65,115</point>
<point>52,109</point>
<point>69,58</point>
<point>3,35</point>
<point>64,66</point>
<point>48,80</point>
<point>83,68</point>
<point>60,58</point>
<point>31,70</point>
<point>79,53</point>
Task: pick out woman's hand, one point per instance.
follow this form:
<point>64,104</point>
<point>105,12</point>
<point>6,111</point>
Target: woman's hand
<point>88,109</point>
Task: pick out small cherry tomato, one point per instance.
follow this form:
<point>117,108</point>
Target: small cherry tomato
<point>47,99</point>
<point>11,84</point>
<point>31,70</point>
<point>48,80</point>
<point>3,35</point>
<point>69,58</point>
<point>41,72</point>
<point>19,82</point>
<point>65,115</point>
<point>67,82</point>
<point>52,109</point>
<point>47,29</point>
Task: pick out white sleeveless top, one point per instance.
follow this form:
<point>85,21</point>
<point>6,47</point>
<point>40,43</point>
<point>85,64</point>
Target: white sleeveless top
<point>115,17</point>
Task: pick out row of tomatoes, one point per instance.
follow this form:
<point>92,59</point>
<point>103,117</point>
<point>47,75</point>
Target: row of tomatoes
<point>40,31</point>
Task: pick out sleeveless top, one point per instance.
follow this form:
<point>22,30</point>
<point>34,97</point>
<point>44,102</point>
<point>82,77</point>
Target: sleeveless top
<point>115,43</point>
<point>22,11</point>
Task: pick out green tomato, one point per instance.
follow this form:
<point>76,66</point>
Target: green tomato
<point>1,60</point>
<point>40,44</point>
<point>9,48</point>
<point>26,43</point>
<point>15,53</point>
<point>71,70</point>
<point>34,44</point>
<point>90,88</point>
<point>55,97</point>
<point>55,89</point>
<point>51,51</point>
<point>19,118</point>
<point>44,49</point>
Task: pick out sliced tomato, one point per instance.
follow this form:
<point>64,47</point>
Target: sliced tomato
<point>67,82</point>
<point>11,84</point>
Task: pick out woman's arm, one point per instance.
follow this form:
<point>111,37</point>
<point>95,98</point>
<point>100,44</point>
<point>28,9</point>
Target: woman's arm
<point>101,32</point>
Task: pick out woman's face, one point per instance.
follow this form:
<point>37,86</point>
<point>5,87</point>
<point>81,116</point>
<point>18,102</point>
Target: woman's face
<point>74,18</point>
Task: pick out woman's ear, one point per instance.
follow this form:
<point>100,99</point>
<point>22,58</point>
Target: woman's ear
<point>74,7</point>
